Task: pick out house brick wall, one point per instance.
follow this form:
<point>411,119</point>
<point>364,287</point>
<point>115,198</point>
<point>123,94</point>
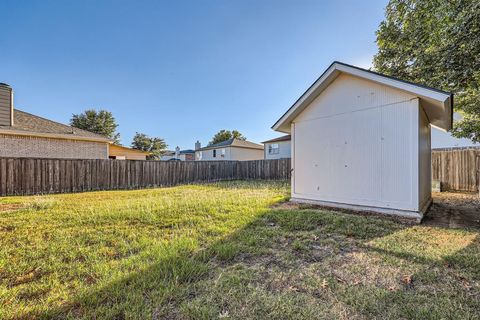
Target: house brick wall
<point>37,147</point>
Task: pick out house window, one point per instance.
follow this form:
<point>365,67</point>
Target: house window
<point>273,148</point>
<point>223,152</point>
<point>214,153</point>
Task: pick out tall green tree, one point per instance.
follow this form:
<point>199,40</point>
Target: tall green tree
<point>224,135</point>
<point>436,43</point>
<point>155,145</point>
<point>100,122</point>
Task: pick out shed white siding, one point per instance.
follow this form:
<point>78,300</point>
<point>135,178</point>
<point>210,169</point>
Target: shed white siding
<point>357,144</point>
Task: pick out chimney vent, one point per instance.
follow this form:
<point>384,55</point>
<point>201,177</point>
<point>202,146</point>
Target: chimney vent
<point>198,145</point>
<point>6,105</point>
<point>177,152</point>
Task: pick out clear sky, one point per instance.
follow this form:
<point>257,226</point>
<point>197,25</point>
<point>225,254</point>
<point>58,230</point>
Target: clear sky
<point>180,70</point>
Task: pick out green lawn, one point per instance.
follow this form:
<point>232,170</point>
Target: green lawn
<point>225,250</point>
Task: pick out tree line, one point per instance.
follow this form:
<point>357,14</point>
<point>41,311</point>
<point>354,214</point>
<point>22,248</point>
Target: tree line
<point>436,43</point>
<point>103,122</point>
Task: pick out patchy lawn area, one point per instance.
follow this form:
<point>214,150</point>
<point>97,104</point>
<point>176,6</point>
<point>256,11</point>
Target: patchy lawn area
<point>225,250</point>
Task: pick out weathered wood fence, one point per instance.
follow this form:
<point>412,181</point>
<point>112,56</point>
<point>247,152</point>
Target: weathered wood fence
<point>457,168</point>
<point>22,176</point>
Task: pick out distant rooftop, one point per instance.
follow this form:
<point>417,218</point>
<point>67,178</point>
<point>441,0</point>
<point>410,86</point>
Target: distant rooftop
<point>26,123</point>
<point>234,143</point>
<point>282,138</point>
<point>172,152</point>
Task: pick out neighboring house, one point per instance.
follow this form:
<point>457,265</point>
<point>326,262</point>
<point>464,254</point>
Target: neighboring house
<point>278,148</point>
<point>361,140</point>
<point>182,155</point>
<point>123,153</point>
<point>25,135</point>
<point>232,149</point>
<point>187,155</point>
<point>167,155</point>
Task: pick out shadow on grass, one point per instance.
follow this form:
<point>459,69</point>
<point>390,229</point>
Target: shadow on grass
<point>441,287</point>
<point>221,277</point>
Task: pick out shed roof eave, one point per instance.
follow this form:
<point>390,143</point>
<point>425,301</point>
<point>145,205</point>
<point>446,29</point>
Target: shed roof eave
<point>442,98</point>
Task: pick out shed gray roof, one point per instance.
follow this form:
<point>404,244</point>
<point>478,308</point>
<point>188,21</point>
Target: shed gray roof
<point>233,143</point>
<point>27,123</point>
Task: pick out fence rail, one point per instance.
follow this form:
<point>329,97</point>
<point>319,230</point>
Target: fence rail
<point>457,169</point>
<point>24,176</point>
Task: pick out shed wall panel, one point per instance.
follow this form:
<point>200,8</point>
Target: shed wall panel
<point>357,143</point>
<point>425,159</point>
<point>349,93</point>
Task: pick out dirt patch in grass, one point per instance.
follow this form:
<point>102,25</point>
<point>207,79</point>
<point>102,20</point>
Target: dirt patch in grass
<point>455,210</point>
<point>6,207</point>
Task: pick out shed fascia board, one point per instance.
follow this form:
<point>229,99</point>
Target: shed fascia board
<point>433,97</point>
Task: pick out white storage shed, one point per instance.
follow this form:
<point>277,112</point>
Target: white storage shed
<point>361,141</point>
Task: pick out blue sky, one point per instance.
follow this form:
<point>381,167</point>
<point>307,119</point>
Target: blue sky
<point>180,70</point>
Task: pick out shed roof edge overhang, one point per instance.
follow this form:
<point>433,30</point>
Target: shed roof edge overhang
<point>438,104</point>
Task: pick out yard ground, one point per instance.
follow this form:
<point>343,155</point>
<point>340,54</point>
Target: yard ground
<point>226,250</point>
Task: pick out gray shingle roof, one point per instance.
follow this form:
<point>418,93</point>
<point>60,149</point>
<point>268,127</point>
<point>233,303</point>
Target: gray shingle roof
<point>172,152</point>
<point>282,138</point>
<point>234,143</point>
<point>28,123</point>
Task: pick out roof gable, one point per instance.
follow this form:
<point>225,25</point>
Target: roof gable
<point>348,94</point>
<point>437,104</point>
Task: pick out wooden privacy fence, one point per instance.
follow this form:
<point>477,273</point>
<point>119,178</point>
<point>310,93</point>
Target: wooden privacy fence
<point>457,168</point>
<point>22,176</point>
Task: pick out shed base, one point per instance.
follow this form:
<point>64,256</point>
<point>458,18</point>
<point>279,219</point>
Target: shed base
<point>415,216</point>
